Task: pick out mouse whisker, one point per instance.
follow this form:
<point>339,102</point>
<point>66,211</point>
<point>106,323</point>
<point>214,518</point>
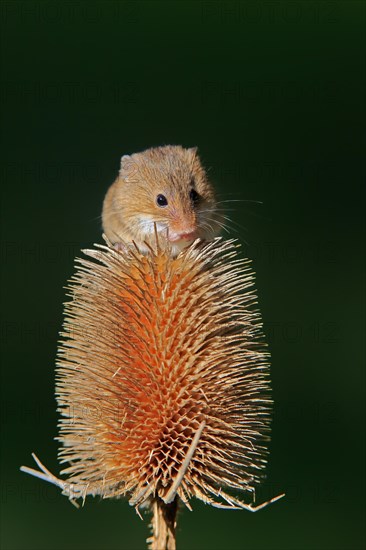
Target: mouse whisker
<point>225,209</point>
<point>238,225</point>
<point>205,223</point>
<point>240,200</point>
<point>228,226</point>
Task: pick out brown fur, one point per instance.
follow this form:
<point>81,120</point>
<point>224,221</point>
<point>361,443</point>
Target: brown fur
<point>130,208</point>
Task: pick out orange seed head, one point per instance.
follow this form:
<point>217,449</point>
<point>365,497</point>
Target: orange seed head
<point>162,376</point>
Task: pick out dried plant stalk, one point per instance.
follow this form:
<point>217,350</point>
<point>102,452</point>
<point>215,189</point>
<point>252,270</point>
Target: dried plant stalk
<point>162,381</point>
<point>163,525</point>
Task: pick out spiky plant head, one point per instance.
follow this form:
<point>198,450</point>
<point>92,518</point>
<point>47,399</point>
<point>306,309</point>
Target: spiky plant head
<point>162,377</point>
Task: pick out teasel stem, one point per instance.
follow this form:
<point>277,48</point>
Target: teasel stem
<point>163,524</point>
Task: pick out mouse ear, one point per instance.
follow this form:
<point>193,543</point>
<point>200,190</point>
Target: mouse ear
<point>128,168</point>
<point>124,162</point>
<point>193,151</point>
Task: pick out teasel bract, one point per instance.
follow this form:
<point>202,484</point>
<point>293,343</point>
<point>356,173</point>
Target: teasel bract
<point>162,381</point>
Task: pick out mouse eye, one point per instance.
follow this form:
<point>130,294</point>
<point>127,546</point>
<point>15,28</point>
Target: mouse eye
<point>194,196</point>
<point>161,200</point>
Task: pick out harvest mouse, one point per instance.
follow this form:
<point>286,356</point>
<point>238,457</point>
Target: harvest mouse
<point>163,186</point>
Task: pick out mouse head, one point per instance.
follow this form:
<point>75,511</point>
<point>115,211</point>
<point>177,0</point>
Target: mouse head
<point>168,186</point>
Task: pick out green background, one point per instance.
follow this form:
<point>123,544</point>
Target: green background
<point>272,93</point>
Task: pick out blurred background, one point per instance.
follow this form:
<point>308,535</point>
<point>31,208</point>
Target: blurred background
<point>272,94</point>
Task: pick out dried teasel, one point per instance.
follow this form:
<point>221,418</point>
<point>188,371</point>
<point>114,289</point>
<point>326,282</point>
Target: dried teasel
<point>162,381</point>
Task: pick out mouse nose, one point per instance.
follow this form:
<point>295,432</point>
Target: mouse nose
<point>183,235</point>
<point>188,235</point>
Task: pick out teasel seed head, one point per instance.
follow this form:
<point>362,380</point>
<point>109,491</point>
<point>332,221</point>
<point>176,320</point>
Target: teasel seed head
<point>163,377</point>
<point>162,381</point>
